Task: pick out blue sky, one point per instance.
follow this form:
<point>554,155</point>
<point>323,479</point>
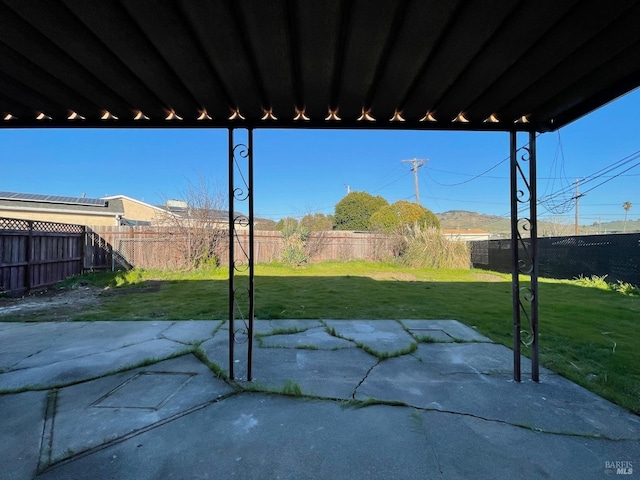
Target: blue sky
<point>298,172</point>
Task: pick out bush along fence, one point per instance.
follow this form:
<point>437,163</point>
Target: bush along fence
<point>617,256</point>
<point>35,254</point>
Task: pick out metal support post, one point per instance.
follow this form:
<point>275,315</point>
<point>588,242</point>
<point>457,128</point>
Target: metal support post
<point>515,270</point>
<point>241,293</point>
<point>524,253</point>
<point>533,209</point>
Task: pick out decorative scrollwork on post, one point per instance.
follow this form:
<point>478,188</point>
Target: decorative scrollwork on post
<point>241,261</point>
<point>524,252</point>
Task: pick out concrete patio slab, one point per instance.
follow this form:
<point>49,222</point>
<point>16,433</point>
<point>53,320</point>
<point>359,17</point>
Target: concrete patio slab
<point>317,338</point>
<point>318,373</point>
<point>446,410</point>
<point>265,436</point>
<point>553,405</point>
<point>279,324</point>
<point>384,337</point>
<point>443,331</point>
<point>190,332</point>
<point>472,358</point>
<point>88,365</point>
<point>21,433</point>
<point>93,413</point>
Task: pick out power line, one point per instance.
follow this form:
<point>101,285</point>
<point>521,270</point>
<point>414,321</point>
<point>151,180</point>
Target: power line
<point>480,174</point>
<point>392,182</point>
<point>548,201</point>
<point>470,179</point>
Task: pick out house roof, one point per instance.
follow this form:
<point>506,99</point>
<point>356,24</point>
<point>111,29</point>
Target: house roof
<point>60,204</point>
<point>111,198</point>
<point>407,64</point>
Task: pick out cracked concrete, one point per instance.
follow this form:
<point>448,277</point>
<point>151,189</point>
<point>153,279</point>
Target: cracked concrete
<point>161,418</point>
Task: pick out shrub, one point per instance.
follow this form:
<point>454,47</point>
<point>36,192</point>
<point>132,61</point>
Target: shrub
<point>401,214</point>
<point>601,283</point>
<point>354,211</point>
<point>295,237</point>
<point>427,247</point>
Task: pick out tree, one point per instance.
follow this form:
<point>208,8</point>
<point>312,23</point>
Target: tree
<point>627,206</point>
<point>305,239</point>
<point>556,226</point>
<point>287,223</point>
<point>317,222</point>
<point>354,211</point>
<point>199,221</point>
<point>403,214</point>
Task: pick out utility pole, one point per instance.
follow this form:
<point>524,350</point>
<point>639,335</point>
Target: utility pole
<point>415,165</point>
<point>348,188</point>
<point>577,199</point>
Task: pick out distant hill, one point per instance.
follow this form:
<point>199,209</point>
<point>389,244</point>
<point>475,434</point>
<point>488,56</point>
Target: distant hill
<point>501,226</point>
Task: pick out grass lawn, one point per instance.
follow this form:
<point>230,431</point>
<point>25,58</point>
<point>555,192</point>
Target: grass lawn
<point>587,334</point>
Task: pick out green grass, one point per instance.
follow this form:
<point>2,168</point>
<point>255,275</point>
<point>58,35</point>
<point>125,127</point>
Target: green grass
<point>588,333</point>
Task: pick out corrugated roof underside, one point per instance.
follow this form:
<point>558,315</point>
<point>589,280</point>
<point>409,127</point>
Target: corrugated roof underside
<point>304,63</point>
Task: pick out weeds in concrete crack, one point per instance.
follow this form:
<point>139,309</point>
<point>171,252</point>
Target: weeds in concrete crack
<point>362,346</point>
<point>425,339</point>
<point>217,328</point>
<point>292,389</point>
<point>385,355</point>
<point>281,331</point>
<point>149,361</point>
<point>332,331</point>
<point>277,331</point>
<point>354,403</point>
<point>46,443</point>
<point>215,368</point>
<point>129,366</point>
<point>289,389</point>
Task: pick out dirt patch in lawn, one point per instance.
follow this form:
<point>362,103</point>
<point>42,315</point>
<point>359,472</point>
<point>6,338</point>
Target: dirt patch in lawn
<point>48,305</point>
<point>399,276</point>
<point>487,277</point>
<point>60,305</point>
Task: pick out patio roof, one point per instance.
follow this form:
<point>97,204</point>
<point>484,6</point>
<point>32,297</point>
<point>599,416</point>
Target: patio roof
<point>421,64</point>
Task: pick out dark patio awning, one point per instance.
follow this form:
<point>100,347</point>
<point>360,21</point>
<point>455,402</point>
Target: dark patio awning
<point>420,64</point>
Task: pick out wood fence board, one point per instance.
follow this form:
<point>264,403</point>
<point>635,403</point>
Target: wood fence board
<point>36,254</point>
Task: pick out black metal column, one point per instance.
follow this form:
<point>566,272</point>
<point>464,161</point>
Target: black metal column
<point>533,209</point>
<point>241,260</point>
<point>515,269</point>
<point>524,251</point>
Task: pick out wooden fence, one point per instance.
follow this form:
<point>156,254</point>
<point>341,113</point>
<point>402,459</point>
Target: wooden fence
<point>36,254</point>
<point>164,247</point>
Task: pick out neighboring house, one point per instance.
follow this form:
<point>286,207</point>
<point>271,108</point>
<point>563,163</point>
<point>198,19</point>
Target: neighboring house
<point>137,212</point>
<point>466,234</point>
<point>109,211</point>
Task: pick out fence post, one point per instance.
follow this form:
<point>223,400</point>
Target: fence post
<point>83,249</point>
<point>29,254</point>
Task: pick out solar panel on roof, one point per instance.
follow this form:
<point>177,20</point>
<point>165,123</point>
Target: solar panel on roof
<point>35,197</point>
